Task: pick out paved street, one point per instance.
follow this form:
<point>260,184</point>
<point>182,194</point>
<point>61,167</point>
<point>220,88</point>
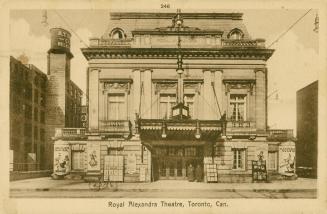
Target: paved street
<point>164,194</point>
<point>46,187</point>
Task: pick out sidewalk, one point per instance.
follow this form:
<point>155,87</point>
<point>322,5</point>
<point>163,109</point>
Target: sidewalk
<point>48,184</point>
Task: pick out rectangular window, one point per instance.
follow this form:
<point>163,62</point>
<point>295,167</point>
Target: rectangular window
<point>167,101</point>
<point>27,130</point>
<point>77,160</point>
<point>42,134</point>
<point>36,114</point>
<point>238,158</point>
<point>28,91</point>
<point>36,133</point>
<point>42,117</point>
<point>36,96</point>
<point>190,151</point>
<point>42,99</point>
<point>189,102</point>
<point>28,112</point>
<point>237,107</point>
<point>117,108</point>
<point>272,160</point>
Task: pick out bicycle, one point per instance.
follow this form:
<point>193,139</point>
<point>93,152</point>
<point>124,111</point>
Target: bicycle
<point>98,183</point>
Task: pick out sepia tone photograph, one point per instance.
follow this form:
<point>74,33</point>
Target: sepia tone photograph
<point>162,107</point>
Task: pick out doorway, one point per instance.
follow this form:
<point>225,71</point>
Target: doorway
<point>171,162</point>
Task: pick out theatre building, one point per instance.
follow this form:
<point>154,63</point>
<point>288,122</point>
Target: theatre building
<point>170,90</point>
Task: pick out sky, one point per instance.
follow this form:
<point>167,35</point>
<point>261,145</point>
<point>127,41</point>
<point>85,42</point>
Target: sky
<point>293,65</point>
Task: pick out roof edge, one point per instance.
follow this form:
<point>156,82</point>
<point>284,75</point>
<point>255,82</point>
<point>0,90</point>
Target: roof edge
<point>138,15</point>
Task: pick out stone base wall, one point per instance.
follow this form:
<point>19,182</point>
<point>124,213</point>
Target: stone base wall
<point>14,176</point>
<point>136,158</point>
<point>221,154</point>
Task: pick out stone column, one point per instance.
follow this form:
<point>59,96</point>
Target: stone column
<point>260,99</point>
<point>219,91</point>
<point>147,89</point>
<point>207,89</point>
<point>136,91</point>
<point>93,99</point>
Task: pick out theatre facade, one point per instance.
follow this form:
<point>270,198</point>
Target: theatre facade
<point>167,92</point>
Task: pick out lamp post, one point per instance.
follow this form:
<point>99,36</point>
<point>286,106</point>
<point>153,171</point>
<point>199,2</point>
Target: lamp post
<point>180,111</point>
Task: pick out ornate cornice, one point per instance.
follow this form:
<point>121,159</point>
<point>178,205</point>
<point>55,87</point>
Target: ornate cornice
<point>135,15</point>
<point>173,31</point>
<point>171,53</point>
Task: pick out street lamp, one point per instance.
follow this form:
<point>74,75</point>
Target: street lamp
<point>180,111</point>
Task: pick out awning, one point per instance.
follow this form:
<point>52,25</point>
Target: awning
<point>188,129</point>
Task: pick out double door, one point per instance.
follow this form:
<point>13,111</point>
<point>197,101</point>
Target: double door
<point>173,162</point>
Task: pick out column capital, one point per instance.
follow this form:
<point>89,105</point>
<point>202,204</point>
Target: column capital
<point>136,69</point>
<point>146,69</point>
<point>263,70</point>
<point>95,69</point>
<point>218,70</point>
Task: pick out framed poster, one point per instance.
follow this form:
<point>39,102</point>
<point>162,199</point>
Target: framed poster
<point>287,158</point>
<point>62,159</point>
<point>93,156</point>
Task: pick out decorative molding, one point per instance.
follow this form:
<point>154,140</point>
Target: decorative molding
<point>136,15</point>
<point>171,53</point>
<point>260,69</point>
<point>172,31</point>
<point>122,86</point>
<point>164,86</point>
<point>239,84</point>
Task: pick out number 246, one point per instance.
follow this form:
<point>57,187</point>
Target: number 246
<point>165,5</point>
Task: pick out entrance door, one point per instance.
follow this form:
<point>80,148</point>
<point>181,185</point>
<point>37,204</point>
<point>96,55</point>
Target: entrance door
<point>172,161</point>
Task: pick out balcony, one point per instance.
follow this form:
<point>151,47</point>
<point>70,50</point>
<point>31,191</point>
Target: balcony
<point>280,135</point>
<point>121,43</point>
<point>241,128</point>
<point>180,129</point>
<point>115,127</point>
<point>243,43</point>
<point>70,133</point>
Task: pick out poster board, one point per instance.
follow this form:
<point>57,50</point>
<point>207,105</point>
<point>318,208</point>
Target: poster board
<point>131,163</point>
<point>62,159</point>
<point>114,168</point>
<point>286,158</point>
<point>93,156</point>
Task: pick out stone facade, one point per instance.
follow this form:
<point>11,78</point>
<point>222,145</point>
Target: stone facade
<point>133,90</point>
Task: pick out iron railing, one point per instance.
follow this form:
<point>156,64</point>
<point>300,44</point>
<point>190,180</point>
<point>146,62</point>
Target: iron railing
<point>243,43</point>
<point>70,133</point>
<point>115,126</point>
<point>280,134</point>
<point>96,42</point>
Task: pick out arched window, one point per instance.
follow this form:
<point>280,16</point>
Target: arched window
<point>117,33</point>
<point>235,34</point>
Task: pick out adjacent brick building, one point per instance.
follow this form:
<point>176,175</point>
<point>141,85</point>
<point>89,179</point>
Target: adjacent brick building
<point>28,88</point>
<point>167,91</point>
<point>307,129</point>
<point>41,102</point>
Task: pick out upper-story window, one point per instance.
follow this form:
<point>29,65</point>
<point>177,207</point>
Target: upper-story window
<point>117,108</point>
<point>235,34</point>
<point>167,101</point>
<point>189,102</point>
<point>237,107</point>
<point>117,33</point>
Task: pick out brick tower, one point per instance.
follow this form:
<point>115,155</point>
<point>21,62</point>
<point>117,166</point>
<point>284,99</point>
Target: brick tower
<point>59,57</point>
